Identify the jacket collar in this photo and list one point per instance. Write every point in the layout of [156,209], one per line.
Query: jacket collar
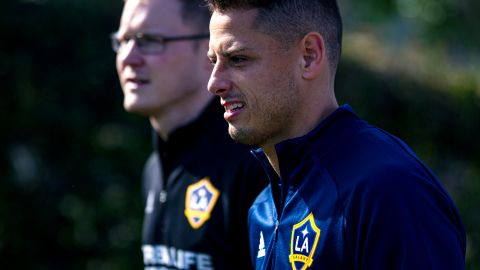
[293,152]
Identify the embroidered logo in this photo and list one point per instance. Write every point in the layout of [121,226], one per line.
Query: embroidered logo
[261,246]
[305,235]
[199,202]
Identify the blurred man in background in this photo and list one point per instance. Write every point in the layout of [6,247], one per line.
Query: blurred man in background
[198,184]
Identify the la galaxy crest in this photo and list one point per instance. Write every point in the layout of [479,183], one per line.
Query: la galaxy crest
[305,235]
[199,202]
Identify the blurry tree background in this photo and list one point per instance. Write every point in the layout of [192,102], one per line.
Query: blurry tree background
[71,158]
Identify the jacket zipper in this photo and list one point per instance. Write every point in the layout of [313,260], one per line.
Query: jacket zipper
[271,249]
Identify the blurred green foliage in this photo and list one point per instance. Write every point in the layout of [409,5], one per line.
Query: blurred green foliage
[71,157]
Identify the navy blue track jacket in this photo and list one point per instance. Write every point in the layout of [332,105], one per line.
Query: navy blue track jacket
[352,196]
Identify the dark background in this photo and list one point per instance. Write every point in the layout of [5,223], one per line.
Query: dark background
[71,158]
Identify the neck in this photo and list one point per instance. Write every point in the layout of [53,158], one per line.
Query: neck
[164,123]
[320,112]
[271,154]
[321,102]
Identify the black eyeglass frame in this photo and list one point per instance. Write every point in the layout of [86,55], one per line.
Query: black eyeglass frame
[161,39]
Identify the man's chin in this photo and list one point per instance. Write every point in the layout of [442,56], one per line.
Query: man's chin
[135,109]
[241,135]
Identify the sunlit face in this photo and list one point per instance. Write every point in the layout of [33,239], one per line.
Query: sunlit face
[255,79]
[154,84]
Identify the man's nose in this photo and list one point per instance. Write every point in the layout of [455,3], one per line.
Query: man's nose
[130,54]
[219,83]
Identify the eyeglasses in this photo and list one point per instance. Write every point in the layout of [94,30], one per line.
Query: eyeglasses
[149,43]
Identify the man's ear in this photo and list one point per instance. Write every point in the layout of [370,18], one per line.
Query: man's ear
[314,55]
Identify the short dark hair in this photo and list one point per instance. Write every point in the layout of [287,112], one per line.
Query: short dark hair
[289,20]
[195,13]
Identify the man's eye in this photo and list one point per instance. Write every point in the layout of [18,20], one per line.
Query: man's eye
[146,40]
[123,41]
[213,61]
[237,59]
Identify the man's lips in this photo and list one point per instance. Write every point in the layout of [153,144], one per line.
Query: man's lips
[136,80]
[232,109]
[135,83]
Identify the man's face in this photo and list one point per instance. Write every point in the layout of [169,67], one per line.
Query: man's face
[255,79]
[156,84]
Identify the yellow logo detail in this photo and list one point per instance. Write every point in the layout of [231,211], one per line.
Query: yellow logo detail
[199,202]
[305,236]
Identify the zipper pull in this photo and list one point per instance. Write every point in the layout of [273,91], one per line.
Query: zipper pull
[162,196]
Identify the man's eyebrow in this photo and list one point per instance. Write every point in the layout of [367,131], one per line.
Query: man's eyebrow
[230,52]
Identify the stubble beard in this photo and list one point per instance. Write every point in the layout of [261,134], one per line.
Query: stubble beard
[272,129]
[246,136]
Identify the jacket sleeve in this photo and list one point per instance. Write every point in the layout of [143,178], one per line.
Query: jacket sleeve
[400,219]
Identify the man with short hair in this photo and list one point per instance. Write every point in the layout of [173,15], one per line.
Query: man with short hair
[198,184]
[343,194]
